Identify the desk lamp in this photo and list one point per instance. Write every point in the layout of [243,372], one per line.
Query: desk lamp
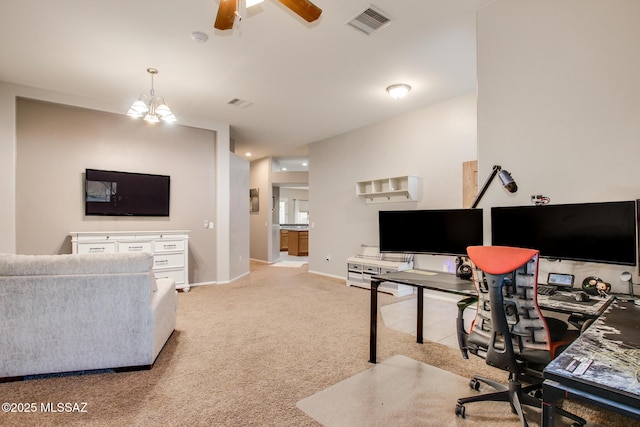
[627,277]
[463,270]
[505,178]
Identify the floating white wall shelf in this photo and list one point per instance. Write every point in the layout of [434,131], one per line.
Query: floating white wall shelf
[398,189]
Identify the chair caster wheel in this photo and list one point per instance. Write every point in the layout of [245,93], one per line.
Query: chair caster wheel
[474,384]
[460,410]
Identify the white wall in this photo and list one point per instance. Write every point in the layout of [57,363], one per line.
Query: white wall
[559,105]
[431,143]
[292,195]
[7,170]
[239,218]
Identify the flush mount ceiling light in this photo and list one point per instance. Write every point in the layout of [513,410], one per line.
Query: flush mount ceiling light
[152,108]
[199,37]
[399,90]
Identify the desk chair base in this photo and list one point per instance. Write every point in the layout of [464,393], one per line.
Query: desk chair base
[515,394]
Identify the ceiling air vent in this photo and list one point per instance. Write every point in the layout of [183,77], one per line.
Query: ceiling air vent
[240,103]
[369,20]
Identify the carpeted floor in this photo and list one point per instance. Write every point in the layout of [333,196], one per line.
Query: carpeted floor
[243,354]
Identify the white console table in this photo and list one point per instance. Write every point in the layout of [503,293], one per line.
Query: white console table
[170,249]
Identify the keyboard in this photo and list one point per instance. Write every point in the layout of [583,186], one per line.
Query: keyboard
[546,289]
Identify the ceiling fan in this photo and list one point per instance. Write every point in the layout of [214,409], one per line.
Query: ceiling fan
[228,11]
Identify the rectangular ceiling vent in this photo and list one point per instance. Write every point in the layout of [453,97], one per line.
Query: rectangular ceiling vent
[369,20]
[240,103]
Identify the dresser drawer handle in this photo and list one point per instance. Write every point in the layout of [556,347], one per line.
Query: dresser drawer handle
[170,246]
[135,248]
[162,261]
[97,249]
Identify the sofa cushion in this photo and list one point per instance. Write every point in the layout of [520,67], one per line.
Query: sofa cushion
[42,265]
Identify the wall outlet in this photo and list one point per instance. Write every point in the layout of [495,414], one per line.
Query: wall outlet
[206,223]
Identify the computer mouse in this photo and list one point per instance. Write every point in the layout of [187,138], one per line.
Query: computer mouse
[582,296]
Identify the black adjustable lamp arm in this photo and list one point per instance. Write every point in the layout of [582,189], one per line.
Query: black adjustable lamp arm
[494,172]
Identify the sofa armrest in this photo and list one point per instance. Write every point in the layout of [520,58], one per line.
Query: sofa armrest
[164,304]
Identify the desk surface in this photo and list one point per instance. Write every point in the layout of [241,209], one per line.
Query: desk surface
[565,302]
[443,282]
[561,301]
[605,359]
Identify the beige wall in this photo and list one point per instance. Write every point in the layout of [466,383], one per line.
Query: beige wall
[261,221]
[55,144]
[430,143]
[558,105]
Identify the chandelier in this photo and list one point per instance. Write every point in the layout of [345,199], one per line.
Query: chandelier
[152,108]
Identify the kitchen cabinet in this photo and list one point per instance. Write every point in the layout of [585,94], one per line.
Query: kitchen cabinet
[298,242]
[284,240]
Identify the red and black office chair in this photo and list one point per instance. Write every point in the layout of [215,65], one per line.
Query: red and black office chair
[509,330]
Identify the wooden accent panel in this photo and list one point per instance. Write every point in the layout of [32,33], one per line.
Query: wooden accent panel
[469,182]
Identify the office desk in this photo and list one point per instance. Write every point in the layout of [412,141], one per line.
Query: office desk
[446,282]
[601,367]
[421,280]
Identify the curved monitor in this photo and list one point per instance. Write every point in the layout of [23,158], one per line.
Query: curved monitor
[593,232]
[442,232]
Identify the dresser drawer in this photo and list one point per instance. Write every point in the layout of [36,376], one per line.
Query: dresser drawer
[97,248]
[134,247]
[354,277]
[168,260]
[371,269]
[168,245]
[354,267]
[176,275]
[94,237]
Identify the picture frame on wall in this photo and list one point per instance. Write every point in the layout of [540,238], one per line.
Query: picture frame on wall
[254,200]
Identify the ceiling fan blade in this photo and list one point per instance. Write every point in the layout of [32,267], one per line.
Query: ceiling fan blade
[226,15]
[304,8]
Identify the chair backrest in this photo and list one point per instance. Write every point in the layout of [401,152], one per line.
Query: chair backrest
[509,325]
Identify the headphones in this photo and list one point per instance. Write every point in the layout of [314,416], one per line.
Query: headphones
[463,270]
[594,285]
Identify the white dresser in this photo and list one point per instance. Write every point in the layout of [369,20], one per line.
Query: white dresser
[170,249]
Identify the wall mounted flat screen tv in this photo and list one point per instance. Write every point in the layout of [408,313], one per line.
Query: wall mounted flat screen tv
[593,232]
[438,231]
[126,193]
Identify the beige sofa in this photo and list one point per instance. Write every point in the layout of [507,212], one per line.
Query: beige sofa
[62,313]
